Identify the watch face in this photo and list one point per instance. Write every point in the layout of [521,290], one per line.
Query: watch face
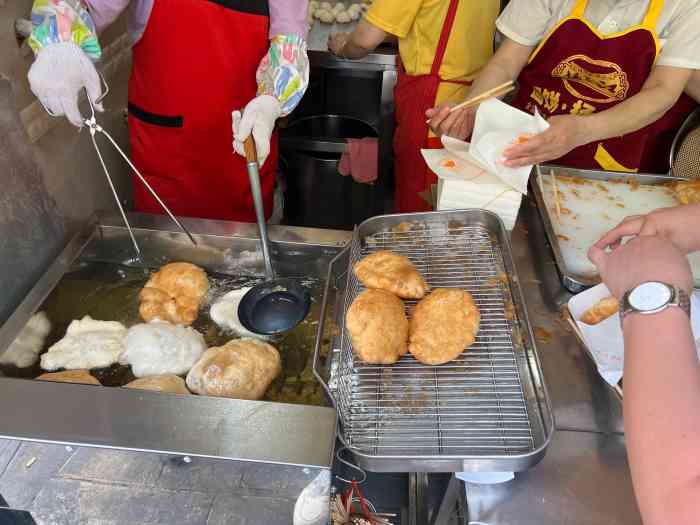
[650,296]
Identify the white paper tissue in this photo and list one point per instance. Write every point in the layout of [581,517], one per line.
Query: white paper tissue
[464,184]
[497,127]
[605,341]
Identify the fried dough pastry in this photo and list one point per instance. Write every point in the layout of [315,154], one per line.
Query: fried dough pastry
[443,325]
[70,376]
[174,293]
[164,383]
[600,311]
[241,369]
[687,192]
[376,321]
[386,270]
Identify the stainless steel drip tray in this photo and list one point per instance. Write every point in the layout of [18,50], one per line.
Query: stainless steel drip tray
[264,431]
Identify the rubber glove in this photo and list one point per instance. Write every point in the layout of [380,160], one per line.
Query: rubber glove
[258,118]
[58,74]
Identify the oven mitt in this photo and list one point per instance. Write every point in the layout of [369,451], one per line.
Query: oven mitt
[58,74]
[258,118]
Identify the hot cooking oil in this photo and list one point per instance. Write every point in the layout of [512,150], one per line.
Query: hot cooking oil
[109,292]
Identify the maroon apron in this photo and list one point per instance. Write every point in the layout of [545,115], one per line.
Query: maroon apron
[413,95]
[576,70]
[194,65]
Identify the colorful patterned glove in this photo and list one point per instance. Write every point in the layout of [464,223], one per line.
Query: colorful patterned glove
[58,21]
[284,72]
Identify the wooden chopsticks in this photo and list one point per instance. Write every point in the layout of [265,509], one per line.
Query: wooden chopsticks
[498,91]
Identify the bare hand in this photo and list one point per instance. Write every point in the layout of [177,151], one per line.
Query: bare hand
[336,42]
[642,259]
[677,225]
[565,133]
[458,124]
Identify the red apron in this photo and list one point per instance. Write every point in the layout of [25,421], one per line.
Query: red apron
[576,70]
[195,63]
[413,95]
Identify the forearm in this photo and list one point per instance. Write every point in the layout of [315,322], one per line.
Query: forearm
[104,12]
[644,108]
[288,17]
[505,65]
[363,40]
[662,416]
[692,88]
[284,72]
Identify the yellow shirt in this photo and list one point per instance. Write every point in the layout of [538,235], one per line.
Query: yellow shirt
[418,24]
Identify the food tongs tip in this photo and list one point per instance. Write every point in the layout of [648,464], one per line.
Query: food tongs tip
[93,127]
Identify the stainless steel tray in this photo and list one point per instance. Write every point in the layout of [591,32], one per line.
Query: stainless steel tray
[488,410]
[191,425]
[573,282]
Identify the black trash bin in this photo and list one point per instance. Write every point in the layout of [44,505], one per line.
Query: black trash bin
[316,194]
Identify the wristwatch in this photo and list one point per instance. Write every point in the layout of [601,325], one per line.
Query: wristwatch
[653,297]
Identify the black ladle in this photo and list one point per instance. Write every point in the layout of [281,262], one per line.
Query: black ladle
[275,305]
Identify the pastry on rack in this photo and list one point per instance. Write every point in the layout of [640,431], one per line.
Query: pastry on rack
[387,270]
[70,376]
[174,293]
[443,325]
[600,311]
[376,321]
[241,369]
[163,383]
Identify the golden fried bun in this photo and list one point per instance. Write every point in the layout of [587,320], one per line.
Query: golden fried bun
[241,369]
[164,383]
[386,270]
[174,293]
[443,325]
[600,311]
[70,376]
[376,321]
[687,192]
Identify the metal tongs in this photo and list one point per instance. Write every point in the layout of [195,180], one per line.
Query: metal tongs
[93,127]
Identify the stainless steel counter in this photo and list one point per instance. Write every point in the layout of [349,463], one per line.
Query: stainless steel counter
[583,480]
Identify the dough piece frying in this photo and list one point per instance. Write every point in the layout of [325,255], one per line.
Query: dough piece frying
[241,369]
[70,376]
[392,272]
[87,344]
[224,312]
[376,321]
[159,347]
[687,192]
[443,325]
[174,293]
[600,311]
[164,383]
[25,349]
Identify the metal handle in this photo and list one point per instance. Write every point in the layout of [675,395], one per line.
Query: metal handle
[321,327]
[251,156]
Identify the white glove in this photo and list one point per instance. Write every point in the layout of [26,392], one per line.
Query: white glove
[58,74]
[259,117]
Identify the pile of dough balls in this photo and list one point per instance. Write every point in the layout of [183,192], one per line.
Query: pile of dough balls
[338,13]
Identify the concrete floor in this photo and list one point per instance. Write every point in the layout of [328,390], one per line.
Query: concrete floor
[63,485]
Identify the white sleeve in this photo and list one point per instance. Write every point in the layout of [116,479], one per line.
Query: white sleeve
[527,21]
[682,37]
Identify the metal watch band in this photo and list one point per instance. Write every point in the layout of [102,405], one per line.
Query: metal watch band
[680,299]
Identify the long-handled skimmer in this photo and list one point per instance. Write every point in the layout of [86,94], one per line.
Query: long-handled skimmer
[93,127]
